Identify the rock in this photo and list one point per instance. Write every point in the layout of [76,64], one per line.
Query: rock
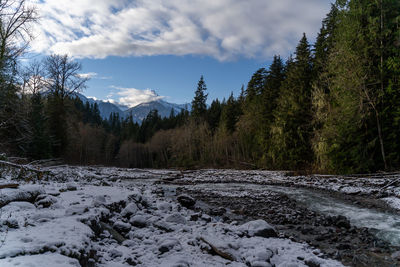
[122,227]
[313,262]
[168,244]
[194,217]
[260,264]
[45,201]
[76,210]
[343,246]
[129,210]
[11,223]
[263,255]
[342,222]
[71,187]
[396,255]
[186,201]
[104,183]
[218,211]
[113,253]
[164,206]
[181,263]
[99,201]
[206,218]
[131,262]
[258,228]
[138,221]
[176,218]
[163,226]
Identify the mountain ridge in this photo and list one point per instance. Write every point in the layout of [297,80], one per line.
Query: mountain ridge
[138,112]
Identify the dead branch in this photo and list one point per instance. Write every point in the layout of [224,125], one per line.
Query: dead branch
[2,186]
[23,169]
[117,236]
[217,251]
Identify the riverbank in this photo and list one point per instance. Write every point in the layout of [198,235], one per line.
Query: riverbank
[95,216]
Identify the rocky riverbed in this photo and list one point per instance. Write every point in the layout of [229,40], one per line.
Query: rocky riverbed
[333,235]
[100,216]
[97,216]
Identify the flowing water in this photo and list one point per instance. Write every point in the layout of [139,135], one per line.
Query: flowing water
[387,225]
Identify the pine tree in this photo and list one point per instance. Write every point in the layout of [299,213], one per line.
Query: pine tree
[256,85]
[199,106]
[40,144]
[230,114]
[291,132]
[214,115]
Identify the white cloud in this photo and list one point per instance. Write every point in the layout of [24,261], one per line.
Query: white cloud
[224,29]
[132,97]
[88,75]
[93,75]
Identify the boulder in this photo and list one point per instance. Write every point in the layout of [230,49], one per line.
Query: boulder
[129,210]
[138,221]
[45,201]
[396,255]
[176,218]
[258,228]
[122,227]
[169,244]
[99,201]
[186,201]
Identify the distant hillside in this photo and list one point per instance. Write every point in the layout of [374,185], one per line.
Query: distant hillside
[164,108]
[138,112]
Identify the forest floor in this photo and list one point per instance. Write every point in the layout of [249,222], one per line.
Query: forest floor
[102,216]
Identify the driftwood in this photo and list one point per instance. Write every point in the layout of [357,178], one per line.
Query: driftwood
[391,183]
[217,251]
[2,186]
[45,162]
[242,163]
[24,168]
[117,236]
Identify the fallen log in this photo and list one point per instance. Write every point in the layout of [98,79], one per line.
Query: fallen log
[242,163]
[391,183]
[2,186]
[117,236]
[217,251]
[24,168]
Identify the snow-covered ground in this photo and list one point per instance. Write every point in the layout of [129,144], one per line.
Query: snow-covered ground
[89,216]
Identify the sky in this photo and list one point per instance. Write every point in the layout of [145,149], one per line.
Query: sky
[137,51]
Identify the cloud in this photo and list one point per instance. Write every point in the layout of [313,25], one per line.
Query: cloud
[132,97]
[93,75]
[224,29]
[88,75]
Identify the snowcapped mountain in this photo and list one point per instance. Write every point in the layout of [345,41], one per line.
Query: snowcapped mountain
[164,108]
[138,112]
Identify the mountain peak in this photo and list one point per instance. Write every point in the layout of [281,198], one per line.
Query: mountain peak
[138,112]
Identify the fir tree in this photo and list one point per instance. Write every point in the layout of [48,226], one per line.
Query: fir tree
[199,106]
[291,132]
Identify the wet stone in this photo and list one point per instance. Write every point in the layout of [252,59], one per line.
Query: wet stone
[258,228]
[186,201]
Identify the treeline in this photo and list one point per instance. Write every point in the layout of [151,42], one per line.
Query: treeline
[333,106]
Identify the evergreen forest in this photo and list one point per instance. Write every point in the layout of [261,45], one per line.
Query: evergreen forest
[330,107]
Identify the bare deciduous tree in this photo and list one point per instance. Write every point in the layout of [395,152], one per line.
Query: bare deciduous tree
[33,80]
[16,17]
[63,75]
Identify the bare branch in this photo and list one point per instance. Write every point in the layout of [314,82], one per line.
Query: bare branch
[63,74]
